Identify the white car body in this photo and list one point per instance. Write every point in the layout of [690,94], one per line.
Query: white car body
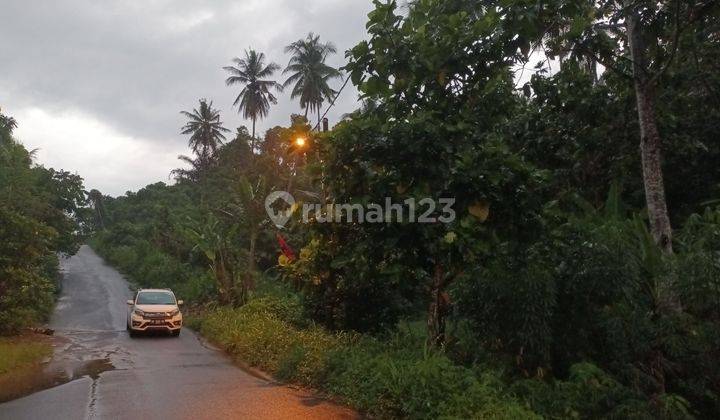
[157,310]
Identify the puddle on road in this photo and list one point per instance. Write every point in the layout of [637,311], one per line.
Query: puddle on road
[50,374]
[94,368]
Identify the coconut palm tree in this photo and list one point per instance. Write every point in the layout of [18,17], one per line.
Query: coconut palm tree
[190,173]
[255,97]
[206,131]
[7,123]
[309,74]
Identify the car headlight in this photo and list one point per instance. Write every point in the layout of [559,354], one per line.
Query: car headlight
[138,312]
[174,313]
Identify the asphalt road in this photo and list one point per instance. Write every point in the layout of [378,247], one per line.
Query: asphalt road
[107,374]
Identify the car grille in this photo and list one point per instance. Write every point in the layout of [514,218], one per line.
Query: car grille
[156,315]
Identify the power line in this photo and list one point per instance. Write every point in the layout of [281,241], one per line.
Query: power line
[317,126]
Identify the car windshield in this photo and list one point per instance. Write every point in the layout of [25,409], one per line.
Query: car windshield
[155,298]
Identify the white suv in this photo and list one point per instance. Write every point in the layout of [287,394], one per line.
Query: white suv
[153,310]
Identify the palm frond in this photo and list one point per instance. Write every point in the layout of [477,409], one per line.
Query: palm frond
[255,98]
[206,131]
[308,73]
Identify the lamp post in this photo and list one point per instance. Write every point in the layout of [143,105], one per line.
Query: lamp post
[300,142]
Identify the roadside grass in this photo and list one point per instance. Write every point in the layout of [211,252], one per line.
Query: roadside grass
[20,352]
[389,378]
[20,365]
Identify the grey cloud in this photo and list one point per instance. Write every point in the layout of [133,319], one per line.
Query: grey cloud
[135,65]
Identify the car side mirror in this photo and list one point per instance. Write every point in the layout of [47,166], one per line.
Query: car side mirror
[181,302]
[130,302]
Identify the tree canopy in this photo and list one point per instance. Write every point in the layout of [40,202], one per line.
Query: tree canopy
[309,76]
[41,213]
[256,95]
[573,142]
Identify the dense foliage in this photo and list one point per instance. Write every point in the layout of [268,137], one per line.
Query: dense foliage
[558,288]
[39,221]
[205,235]
[389,379]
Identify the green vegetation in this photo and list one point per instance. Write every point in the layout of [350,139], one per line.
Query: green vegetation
[255,98]
[397,377]
[40,211]
[579,277]
[309,75]
[17,353]
[206,134]
[132,246]
[393,378]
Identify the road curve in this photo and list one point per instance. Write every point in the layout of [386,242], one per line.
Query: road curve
[113,376]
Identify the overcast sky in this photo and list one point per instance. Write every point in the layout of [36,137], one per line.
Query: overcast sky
[97,86]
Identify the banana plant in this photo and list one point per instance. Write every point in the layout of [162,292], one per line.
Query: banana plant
[249,200]
[214,242]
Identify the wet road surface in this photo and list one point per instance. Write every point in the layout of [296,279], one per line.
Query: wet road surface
[109,375]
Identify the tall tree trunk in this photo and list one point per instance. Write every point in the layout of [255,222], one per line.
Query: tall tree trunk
[250,275]
[99,216]
[650,153]
[224,286]
[650,143]
[438,308]
[252,140]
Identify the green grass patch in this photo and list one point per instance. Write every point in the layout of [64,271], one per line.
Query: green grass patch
[394,378]
[19,352]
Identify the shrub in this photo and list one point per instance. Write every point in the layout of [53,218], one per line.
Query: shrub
[596,291]
[256,334]
[589,392]
[406,382]
[28,267]
[124,258]
[28,300]
[549,306]
[697,267]
[147,266]
[287,309]
[387,379]
[200,286]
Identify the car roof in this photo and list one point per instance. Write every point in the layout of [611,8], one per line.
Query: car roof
[156,290]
